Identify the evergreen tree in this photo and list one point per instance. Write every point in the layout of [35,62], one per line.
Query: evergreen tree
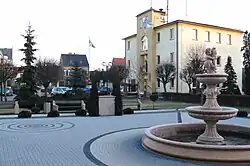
[28,80]
[246,62]
[231,83]
[78,77]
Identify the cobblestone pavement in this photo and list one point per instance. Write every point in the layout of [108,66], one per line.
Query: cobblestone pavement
[84,141]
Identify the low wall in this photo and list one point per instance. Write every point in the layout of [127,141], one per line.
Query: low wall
[227,100]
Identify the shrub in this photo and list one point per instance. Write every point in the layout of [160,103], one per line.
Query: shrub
[25,114]
[53,114]
[242,114]
[35,109]
[128,111]
[80,112]
[153,98]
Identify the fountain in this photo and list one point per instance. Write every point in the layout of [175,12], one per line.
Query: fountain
[180,140]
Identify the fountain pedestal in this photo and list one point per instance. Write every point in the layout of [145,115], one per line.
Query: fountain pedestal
[210,135]
[211,112]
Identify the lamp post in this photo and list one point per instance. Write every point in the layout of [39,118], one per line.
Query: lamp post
[107,66]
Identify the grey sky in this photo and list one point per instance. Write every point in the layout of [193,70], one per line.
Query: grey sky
[63,26]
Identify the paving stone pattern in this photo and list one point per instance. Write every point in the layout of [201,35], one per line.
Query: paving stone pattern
[66,141]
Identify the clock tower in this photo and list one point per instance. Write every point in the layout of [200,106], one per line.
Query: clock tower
[146,47]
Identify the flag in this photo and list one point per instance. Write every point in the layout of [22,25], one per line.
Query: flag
[91,44]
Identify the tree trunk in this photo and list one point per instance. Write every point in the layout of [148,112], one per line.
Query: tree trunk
[46,95]
[1,91]
[189,88]
[165,89]
[5,95]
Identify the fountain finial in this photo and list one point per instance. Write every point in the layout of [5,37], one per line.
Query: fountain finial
[210,66]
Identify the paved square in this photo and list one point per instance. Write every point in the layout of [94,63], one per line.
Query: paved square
[84,141]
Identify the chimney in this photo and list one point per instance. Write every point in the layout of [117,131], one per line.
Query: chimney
[161,10]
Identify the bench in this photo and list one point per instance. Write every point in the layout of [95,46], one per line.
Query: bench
[68,106]
[133,104]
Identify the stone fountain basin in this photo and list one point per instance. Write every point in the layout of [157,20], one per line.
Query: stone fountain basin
[209,114]
[212,78]
[159,139]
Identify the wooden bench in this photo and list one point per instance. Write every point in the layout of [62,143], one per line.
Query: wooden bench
[68,106]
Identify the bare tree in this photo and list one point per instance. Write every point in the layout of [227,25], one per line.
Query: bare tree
[7,71]
[48,71]
[138,73]
[195,61]
[187,75]
[166,72]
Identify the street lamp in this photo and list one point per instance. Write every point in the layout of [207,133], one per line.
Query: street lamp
[107,66]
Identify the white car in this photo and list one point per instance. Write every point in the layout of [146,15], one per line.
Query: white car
[59,90]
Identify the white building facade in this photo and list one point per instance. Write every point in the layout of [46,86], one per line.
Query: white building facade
[172,42]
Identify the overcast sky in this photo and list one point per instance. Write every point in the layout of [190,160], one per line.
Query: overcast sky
[63,26]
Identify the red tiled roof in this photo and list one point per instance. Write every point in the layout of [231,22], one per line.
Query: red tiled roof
[118,61]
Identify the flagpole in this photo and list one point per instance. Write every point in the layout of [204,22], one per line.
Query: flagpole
[89,53]
[151,4]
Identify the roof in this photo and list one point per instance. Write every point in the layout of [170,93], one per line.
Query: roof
[199,24]
[70,59]
[192,23]
[7,52]
[118,61]
[151,9]
[134,35]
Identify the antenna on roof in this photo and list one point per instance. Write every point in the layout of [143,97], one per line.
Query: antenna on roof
[167,12]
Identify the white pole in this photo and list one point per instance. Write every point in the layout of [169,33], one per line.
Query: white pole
[186,9]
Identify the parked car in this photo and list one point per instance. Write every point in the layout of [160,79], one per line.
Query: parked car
[59,90]
[9,91]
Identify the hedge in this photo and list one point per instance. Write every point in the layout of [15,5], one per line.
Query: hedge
[227,100]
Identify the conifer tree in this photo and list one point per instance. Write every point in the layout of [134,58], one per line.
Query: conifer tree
[231,83]
[78,77]
[28,80]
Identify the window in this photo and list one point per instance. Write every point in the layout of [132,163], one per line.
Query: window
[208,36]
[128,63]
[149,77]
[144,43]
[218,61]
[128,45]
[158,83]
[195,34]
[141,23]
[80,62]
[71,62]
[158,37]
[146,66]
[194,82]
[219,38]
[158,59]
[172,83]
[229,39]
[171,57]
[172,34]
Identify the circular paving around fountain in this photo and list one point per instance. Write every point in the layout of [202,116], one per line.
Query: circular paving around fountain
[35,127]
[126,150]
